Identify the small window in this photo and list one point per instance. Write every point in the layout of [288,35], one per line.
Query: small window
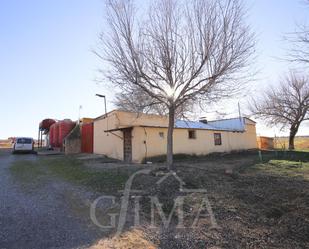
[217,137]
[161,134]
[191,134]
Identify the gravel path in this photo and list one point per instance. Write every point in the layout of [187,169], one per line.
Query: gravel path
[53,214]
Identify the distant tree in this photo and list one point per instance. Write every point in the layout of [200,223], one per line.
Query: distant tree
[287,105]
[176,54]
[300,43]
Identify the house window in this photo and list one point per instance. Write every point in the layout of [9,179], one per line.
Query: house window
[161,134]
[217,137]
[191,134]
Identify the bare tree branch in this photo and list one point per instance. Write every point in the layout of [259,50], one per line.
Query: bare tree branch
[180,54]
[300,43]
[287,105]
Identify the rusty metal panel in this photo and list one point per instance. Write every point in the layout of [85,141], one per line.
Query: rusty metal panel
[87,138]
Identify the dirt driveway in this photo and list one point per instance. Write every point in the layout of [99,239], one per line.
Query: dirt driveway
[38,213]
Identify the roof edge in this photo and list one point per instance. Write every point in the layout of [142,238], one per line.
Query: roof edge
[223,119]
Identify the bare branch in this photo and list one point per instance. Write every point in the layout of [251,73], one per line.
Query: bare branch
[287,105]
[178,54]
[300,43]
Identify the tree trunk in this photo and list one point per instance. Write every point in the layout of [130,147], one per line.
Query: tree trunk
[171,122]
[293,132]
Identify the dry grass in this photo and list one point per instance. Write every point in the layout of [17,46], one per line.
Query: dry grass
[284,168]
[301,143]
[134,239]
[5,144]
[71,170]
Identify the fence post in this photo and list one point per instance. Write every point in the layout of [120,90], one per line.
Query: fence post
[260,156]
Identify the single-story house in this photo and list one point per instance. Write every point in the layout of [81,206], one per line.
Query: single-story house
[134,137]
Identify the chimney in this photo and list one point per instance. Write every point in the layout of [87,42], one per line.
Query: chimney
[203,120]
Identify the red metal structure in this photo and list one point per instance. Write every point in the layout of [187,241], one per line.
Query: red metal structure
[87,138]
[65,127]
[46,124]
[44,129]
[56,135]
[51,135]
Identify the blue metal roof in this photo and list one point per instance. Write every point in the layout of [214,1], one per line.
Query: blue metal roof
[235,124]
[232,123]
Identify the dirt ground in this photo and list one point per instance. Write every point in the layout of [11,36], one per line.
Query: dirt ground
[250,203]
[253,207]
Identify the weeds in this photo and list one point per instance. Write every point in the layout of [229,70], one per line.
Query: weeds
[71,170]
[284,168]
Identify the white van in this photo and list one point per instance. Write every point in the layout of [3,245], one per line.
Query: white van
[24,144]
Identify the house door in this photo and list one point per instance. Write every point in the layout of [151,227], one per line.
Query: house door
[127,145]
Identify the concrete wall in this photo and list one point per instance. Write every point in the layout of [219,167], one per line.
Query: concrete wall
[72,142]
[72,146]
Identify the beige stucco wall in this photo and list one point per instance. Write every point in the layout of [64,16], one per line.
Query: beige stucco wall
[119,119]
[154,145]
[136,119]
[146,141]
[107,143]
[111,143]
[202,145]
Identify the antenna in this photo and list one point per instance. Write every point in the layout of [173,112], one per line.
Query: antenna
[242,121]
[239,113]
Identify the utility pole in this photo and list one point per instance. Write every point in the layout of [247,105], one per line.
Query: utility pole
[103,96]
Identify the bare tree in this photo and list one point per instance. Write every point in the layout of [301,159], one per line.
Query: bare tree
[177,53]
[287,105]
[139,102]
[300,43]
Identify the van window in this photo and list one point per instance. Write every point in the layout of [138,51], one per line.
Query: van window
[24,141]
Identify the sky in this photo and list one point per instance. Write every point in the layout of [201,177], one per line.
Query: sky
[48,69]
